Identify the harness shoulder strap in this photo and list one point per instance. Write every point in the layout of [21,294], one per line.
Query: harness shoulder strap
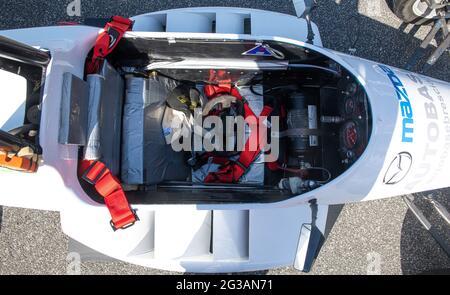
[110,188]
[107,41]
[233,171]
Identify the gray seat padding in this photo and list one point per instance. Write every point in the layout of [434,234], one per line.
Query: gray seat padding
[106,91]
[146,157]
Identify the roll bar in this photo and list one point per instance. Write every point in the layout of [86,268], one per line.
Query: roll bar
[17,51]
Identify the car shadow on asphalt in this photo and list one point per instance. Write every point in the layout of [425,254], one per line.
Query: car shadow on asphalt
[420,253]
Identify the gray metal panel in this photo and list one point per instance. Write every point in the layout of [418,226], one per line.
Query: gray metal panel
[74,110]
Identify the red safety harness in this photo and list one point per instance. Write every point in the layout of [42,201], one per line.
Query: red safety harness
[107,41]
[109,187]
[232,171]
[94,172]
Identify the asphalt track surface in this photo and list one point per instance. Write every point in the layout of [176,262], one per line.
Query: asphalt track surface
[31,242]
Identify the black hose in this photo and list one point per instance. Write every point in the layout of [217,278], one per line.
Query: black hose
[23,129]
[253,90]
[307,66]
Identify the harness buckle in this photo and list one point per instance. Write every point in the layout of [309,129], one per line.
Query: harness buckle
[240,165]
[136,219]
[97,177]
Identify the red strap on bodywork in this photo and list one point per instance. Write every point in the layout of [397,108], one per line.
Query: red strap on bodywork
[107,41]
[110,188]
[213,91]
[221,84]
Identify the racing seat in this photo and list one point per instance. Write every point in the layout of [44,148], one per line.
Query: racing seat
[147,158]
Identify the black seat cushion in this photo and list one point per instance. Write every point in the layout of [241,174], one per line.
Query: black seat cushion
[146,157]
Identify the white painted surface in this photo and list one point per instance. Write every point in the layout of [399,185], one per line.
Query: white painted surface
[229,20]
[231,235]
[55,185]
[230,23]
[89,225]
[152,23]
[182,233]
[190,22]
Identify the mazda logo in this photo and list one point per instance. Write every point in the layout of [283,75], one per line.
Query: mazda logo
[398,169]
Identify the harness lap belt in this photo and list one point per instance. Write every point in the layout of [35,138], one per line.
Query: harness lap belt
[107,41]
[110,188]
[232,171]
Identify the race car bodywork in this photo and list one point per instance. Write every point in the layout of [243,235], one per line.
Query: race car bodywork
[406,149]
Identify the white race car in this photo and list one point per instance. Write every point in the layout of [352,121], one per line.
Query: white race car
[87,113]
